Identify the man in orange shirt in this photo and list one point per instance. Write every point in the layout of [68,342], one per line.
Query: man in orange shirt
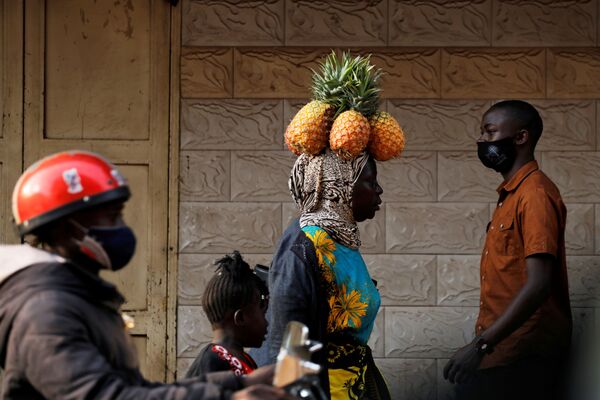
[524,327]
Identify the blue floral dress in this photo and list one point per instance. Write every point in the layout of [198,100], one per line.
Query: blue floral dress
[353,304]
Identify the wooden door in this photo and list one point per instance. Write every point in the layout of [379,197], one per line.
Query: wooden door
[11,107]
[97,79]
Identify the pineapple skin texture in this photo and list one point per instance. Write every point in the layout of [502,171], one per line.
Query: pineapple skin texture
[349,134]
[309,130]
[387,137]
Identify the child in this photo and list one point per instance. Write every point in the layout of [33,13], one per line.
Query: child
[235,302]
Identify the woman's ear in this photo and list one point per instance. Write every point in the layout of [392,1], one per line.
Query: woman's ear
[239,317]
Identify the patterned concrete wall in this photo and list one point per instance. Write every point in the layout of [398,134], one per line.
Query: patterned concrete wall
[245,70]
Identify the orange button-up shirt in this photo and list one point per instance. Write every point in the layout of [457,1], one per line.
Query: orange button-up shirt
[529,219]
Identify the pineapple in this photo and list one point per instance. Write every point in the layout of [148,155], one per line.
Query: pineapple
[349,134]
[309,129]
[387,137]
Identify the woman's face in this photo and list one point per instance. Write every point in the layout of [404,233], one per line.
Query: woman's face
[366,193]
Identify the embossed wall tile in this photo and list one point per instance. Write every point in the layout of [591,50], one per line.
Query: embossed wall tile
[183,365]
[584,280]
[445,389]
[223,227]
[261,175]
[425,332]
[411,177]
[231,125]
[409,379]
[372,233]
[579,232]
[568,124]
[544,23]
[195,270]
[597,228]
[289,212]
[572,73]
[403,279]
[336,23]
[204,175]
[440,23]
[584,320]
[439,124]
[436,228]
[193,331]
[233,23]
[458,280]
[576,174]
[462,177]
[376,340]
[275,72]
[409,73]
[206,72]
[506,73]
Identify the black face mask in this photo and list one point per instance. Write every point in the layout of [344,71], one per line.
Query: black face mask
[499,155]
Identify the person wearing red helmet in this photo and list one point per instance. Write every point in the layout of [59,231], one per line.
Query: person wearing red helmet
[62,334]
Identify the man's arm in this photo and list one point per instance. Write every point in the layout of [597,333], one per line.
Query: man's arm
[531,296]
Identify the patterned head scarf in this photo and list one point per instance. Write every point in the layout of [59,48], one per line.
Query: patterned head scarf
[322,187]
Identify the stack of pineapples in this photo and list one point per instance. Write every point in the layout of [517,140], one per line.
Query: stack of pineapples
[343,113]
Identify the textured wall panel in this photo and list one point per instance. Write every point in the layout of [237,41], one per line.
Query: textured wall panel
[409,73]
[440,23]
[372,233]
[403,279]
[275,72]
[462,176]
[425,332]
[568,125]
[579,232]
[204,175]
[409,379]
[206,72]
[195,270]
[500,73]
[336,23]
[458,280]
[193,331]
[574,73]
[576,174]
[261,175]
[436,228]
[289,212]
[544,23]
[584,281]
[222,227]
[439,124]
[412,177]
[231,124]
[232,23]
[376,341]
[183,365]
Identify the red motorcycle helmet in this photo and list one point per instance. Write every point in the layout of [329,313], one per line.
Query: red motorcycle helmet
[63,183]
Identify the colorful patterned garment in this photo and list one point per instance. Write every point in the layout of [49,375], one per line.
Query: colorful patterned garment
[353,302]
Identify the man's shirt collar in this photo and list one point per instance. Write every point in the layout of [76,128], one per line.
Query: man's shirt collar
[515,181]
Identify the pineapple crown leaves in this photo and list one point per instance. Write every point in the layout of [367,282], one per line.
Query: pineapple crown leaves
[349,83]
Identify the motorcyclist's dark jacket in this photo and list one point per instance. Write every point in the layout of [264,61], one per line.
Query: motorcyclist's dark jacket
[62,336]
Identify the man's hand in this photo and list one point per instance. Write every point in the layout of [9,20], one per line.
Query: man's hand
[263,375]
[261,392]
[463,364]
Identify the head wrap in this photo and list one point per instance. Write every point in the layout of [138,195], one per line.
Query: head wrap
[322,187]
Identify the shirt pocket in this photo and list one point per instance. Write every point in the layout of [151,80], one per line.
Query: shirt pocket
[504,242]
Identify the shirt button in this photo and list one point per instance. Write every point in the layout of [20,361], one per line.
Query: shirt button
[500,204]
[483,277]
[486,252]
[480,327]
[501,226]
[492,227]
[481,303]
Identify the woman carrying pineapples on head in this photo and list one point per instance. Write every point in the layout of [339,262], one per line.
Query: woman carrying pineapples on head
[318,275]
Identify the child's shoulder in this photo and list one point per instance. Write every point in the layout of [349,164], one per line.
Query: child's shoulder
[208,360]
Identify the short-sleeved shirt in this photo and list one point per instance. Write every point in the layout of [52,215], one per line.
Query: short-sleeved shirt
[529,220]
[215,357]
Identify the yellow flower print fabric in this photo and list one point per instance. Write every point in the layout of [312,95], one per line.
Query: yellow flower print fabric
[352,296]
